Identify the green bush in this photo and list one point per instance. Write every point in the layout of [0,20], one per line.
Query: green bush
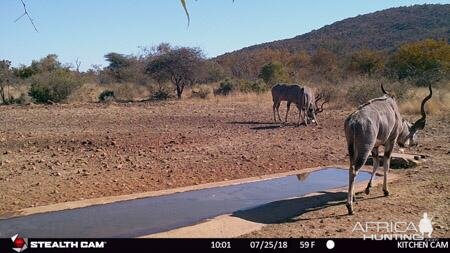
[53,86]
[106,95]
[422,62]
[272,73]
[226,87]
[257,86]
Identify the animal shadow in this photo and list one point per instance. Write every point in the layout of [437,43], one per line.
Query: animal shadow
[266,127]
[253,123]
[286,210]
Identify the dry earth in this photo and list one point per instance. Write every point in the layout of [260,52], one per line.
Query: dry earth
[52,154]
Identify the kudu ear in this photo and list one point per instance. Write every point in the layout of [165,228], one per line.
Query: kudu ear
[420,123]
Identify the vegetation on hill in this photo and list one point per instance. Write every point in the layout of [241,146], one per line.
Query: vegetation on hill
[382,31]
[408,47]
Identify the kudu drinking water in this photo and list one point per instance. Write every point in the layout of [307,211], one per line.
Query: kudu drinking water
[315,109]
[302,97]
[378,123]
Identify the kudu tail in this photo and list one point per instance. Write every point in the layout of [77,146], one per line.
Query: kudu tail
[358,154]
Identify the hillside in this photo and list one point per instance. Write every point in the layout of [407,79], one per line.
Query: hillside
[382,30]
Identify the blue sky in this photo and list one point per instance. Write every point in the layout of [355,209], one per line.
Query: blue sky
[88,29]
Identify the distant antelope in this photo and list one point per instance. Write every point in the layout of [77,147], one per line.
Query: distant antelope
[378,123]
[303,97]
[292,93]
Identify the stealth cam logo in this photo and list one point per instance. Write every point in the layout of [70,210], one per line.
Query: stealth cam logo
[19,243]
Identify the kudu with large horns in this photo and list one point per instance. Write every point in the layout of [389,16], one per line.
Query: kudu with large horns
[302,97]
[378,123]
[315,109]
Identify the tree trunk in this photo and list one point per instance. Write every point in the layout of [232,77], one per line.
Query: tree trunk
[180,88]
[2,94]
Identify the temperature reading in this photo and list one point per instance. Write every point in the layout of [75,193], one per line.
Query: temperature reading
[307,244]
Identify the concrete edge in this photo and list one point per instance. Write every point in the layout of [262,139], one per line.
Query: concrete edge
[228,226]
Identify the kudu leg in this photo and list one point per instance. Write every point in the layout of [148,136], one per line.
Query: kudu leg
[386,165]
[278,111]
[351,193]
[376,163]
[305,117]
[315,119]
[274,111]
[287,111]
[300,113]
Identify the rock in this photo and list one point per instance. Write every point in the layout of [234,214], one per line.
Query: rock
[57,174]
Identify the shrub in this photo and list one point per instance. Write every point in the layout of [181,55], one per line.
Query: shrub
[106,95]
[53,86]
[161,95]
[366,62]
[362,89]
[200,92]
[126,92]
[226,87]
[257,86]
[272,73]
[359,94]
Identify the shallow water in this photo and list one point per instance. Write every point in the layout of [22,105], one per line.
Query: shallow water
[144,216]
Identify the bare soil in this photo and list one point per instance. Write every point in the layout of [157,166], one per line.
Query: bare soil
[58,153]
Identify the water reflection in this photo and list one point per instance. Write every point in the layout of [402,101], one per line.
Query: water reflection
[303,176]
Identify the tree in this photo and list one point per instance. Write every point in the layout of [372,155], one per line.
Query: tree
[297,64]
[118,64]
[425,62]
[325,64]
[5,78]
[182,66]
[46,64]
[366,62]
[23,71]
[272,72]
[213,72]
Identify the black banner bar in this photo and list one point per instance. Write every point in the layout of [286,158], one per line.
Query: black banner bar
[100,245]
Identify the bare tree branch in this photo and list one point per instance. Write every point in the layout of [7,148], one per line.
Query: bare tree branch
[77,65]
[25,12]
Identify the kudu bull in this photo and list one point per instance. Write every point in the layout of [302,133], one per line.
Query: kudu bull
[378,123]
[302,97]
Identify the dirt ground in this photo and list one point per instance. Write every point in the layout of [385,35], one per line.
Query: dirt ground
[58,153]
